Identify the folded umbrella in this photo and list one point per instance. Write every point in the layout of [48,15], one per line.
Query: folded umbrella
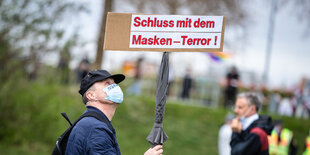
[157,135]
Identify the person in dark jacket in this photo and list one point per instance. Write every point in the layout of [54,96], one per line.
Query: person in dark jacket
[250,130]
[187,85]
[231,89]
[101,94]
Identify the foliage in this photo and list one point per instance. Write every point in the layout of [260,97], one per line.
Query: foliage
[29,29]
[302,12]
[31,110]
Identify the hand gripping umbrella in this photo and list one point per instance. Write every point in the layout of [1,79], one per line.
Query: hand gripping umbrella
[157,135]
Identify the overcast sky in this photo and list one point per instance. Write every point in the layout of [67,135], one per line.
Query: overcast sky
[290,56]
[290,50]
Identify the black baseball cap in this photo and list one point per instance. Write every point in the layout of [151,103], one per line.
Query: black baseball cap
[98,75]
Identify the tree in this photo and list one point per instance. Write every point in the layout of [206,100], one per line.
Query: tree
[29,29]
[100,52]
[302,10]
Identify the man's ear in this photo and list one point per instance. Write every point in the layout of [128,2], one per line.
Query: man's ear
[90,95]
[253,108]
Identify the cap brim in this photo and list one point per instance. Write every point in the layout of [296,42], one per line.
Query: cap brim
[117,78]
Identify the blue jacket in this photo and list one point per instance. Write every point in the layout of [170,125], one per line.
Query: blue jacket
[91,136]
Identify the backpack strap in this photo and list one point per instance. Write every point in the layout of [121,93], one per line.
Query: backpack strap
[66,117]
[87,114]
[100,118]
[97,116]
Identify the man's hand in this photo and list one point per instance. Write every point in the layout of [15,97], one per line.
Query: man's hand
[236,125]
[157,150]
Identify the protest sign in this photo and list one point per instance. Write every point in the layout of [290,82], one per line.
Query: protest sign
[172,33]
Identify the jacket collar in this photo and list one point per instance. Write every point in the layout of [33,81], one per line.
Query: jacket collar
[91,108]
[249,120]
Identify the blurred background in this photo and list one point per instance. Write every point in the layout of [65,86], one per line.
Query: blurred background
[47,47]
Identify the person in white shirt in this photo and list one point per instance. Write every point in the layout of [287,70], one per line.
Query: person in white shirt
[225,136]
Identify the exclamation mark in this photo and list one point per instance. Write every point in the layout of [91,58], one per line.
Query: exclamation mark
[215,40]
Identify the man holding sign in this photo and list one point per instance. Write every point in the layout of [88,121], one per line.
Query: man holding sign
[164,33]
[100,94]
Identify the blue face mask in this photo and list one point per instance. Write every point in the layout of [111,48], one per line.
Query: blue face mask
[242,119]
[114,93]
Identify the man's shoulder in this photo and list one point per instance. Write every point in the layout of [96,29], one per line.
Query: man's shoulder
[258,131]
[87,124]
[262,137]
[87,133]
[90,123]
[225,128]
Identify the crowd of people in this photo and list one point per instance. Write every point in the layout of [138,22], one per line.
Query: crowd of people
[251,133]
[246,132]
[297,105]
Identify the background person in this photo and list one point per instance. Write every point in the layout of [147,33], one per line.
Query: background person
[307,145]
[249,129]
[187,84]
[225,136]
[231,89]
[281,140]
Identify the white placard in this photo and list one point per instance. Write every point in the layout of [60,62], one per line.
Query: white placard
[176,23]
[174,40]
[164,33]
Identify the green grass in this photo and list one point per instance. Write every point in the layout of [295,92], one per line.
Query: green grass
[191,130]
[31,121]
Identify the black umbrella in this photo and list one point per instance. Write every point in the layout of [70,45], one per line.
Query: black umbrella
[157,135]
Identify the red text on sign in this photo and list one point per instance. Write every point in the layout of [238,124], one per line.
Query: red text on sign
[139,40]
[195,41]
[204,24]
[184,23]
[152,22]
